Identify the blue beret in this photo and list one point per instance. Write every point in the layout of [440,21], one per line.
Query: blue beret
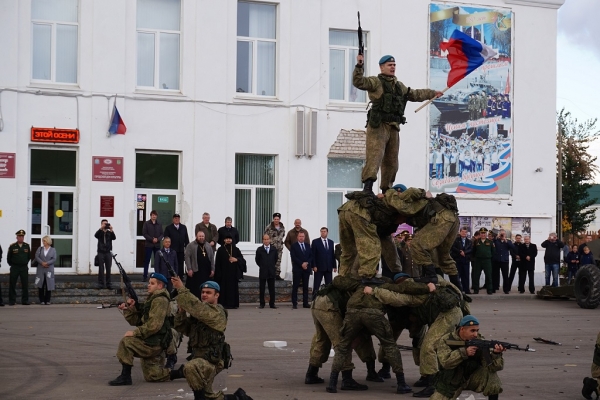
[160,277]
[468,320]
[386,58]
[211,285]
[400,187]
[401,275]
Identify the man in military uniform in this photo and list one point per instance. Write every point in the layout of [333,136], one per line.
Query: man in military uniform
[466,368]
[483,250]
[1,302]
[151,337]
[328,310]
[367,313]
[365,235]
[276,231]
[590,385]
[437,221]
[205,327]
[388,97]
[18,256]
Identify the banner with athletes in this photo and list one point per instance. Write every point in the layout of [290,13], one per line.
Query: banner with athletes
[470,137]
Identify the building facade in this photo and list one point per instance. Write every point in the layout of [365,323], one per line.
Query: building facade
[235,108]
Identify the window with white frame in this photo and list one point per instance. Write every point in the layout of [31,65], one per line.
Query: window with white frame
[343,176]
[54,32]
[343,49]
[158,44]
[256,48]
[254,195]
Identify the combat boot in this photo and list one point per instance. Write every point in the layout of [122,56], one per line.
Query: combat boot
[199,395]
[368,185]
[239,394]
[422,382]
[402,386]
[171,361]
[177,373]
[124,378]
[384,372]
[350,384]
[428,275]
[456,282]
[590,385]
[372,375]
[312,376]
[493,397]
[332,386]
[429,389]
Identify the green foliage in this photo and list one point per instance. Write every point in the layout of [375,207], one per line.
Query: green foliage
[578,169]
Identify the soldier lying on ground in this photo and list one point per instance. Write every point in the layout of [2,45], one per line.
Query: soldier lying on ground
[151,337]
[366,312]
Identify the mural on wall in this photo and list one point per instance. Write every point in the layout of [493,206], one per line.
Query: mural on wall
[470,139]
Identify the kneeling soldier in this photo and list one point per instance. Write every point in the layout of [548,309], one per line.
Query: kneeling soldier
[151,337]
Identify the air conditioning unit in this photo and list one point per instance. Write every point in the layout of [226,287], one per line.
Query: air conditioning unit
[312,135]
[300,151]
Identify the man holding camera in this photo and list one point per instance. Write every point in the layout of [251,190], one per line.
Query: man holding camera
[105,236]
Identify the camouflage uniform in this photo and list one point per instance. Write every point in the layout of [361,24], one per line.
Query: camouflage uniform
[383,142]
[328,314]
[152,324]
[482,252]
[460,372]
[360,241]
[277,236]
[596,363]
[367,312]
[206,329]
[442,323]
[433,241]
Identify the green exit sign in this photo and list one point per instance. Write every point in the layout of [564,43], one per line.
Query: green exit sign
[163,199]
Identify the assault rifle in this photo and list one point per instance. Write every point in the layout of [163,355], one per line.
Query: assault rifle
[486,345]
[126,281]
[169,267]
[361,45]
[403,347]
[539,339]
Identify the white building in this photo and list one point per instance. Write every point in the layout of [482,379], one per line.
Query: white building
[231,107]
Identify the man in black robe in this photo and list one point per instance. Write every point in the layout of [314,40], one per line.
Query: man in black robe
[228,264]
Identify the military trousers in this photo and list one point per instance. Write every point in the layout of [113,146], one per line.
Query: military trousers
[359,241]
[481,381]
[485,265]
[432,243]
[327,334]
[200,374]
[374,322]
[152,358]
[389,252]
[397,328]
[16,272]
[445,323]
[278,264]
[596,367]
[383,144]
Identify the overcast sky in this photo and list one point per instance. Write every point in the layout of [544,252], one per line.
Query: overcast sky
[578,62]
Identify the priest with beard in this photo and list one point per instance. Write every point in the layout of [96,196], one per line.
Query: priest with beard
[199,263]
[229,263]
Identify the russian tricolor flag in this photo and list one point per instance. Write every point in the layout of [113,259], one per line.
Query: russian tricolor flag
[465,55]
[117,126]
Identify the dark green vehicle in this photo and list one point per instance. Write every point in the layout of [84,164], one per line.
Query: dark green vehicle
[586,287]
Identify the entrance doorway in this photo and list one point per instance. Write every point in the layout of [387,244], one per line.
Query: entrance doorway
[53,204]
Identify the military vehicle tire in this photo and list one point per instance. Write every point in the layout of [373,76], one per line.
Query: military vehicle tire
[587,286]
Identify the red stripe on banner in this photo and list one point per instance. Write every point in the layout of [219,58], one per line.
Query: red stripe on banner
[459,62]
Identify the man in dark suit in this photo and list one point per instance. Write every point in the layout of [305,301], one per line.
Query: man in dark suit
[461,253]
[179,240]
[266,259]
[323,260]
[527,253]
[301,262]
[168,255]
[228,229]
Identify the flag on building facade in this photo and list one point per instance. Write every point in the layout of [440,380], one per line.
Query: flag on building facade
[117,126]
[465,55]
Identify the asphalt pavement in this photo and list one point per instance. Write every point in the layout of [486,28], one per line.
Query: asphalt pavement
[68,352]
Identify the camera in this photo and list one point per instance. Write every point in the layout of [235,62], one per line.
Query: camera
[107,226]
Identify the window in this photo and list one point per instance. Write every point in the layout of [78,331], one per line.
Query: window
[343,176]
[158,44]
[53,167]
[343,49]
[54,32]
[156,171]
[256,47]
[254,195]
